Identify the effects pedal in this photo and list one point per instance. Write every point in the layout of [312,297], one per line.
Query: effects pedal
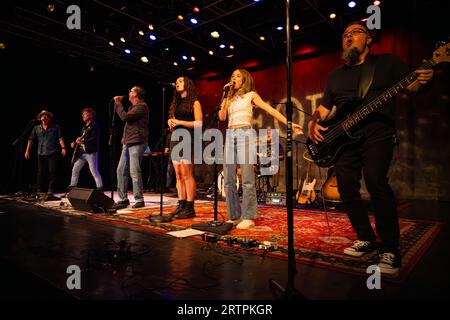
[210,237]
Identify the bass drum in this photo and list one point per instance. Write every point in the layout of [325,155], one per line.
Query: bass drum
[221,183]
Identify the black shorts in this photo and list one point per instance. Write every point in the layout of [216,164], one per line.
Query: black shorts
[183,154]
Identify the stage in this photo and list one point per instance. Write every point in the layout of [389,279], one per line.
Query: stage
[124,256]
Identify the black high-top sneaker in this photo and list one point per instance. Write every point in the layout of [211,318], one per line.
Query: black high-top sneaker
[187,212]
[389,262]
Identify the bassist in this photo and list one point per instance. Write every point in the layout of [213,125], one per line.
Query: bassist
[373,153]
[86,149]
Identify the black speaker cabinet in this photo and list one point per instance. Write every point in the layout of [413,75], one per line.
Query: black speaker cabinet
[90,200]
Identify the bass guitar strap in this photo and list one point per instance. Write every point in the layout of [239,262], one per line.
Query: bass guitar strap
[366,77]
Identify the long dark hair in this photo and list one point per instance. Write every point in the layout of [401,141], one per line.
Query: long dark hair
[187,104]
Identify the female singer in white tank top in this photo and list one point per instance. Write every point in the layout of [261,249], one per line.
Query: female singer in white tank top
[238,109]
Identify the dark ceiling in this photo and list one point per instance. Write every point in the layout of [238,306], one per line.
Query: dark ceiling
[239,22]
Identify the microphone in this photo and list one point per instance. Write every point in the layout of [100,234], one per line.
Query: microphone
[124,97]
[163,83]
[228,86]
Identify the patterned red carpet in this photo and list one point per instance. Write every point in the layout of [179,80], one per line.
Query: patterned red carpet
[320,237]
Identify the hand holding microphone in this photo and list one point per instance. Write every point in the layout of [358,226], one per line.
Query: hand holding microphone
[117,99]
[228,86]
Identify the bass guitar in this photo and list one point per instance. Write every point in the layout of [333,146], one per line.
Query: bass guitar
[339,134]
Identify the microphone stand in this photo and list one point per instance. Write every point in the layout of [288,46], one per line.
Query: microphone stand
[215,225]
[160,218]
[18,163]
[289,293]
[112,146]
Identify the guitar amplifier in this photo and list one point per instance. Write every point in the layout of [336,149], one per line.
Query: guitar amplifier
[278,198]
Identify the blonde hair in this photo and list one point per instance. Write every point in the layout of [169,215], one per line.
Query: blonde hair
[247,82]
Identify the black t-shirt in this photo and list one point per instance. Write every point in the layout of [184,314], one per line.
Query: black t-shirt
[343,84]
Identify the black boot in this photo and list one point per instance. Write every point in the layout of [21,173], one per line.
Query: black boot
[178,209]
[187,212]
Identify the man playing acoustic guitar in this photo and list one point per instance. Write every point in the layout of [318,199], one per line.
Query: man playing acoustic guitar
[373,152]
[86,149]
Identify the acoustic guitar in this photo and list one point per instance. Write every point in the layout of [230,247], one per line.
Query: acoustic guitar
[339,134]
[330,190]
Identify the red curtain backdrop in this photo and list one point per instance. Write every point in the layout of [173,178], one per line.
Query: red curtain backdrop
[413,113]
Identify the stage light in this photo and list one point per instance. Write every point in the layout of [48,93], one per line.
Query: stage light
[377,3]
[180,17]
[122,39]
[127,51]
[175,64]
[152,37]
[296,27]
[150,26]
[222,46]
[231,47]
[194,21]
[279,28]
[166,49]
[2,46]
[192,58]
[144,59]
[111,43]
[230,56]
[196,9]
[141,32]
[332,15]
[262,38]
[210,52]
[215,34]
[51,8]
[91,69]
[184,57]
[352,4]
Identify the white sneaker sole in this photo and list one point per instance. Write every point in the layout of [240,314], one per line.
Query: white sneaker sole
[352,253]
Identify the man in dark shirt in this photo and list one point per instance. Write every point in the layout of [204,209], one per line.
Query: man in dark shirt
[373,154]
[134,142]
[46,136]
[87,149]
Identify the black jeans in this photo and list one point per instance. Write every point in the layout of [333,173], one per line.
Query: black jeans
[47,163]
[373,160]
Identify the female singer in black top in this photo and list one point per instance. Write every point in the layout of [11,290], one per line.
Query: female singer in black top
[185,114]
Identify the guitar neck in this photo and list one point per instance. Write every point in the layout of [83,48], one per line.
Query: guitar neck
[378,102]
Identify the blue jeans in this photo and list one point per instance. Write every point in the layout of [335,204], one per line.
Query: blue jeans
[92,160]
[237,145]
[130,161]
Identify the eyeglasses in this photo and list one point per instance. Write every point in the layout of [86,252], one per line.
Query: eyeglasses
[352,33]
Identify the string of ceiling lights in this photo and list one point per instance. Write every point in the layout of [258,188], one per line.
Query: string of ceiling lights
[194,19]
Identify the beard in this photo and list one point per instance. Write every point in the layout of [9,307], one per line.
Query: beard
[351,55]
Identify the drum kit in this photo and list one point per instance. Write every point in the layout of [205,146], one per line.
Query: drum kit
[265,180]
